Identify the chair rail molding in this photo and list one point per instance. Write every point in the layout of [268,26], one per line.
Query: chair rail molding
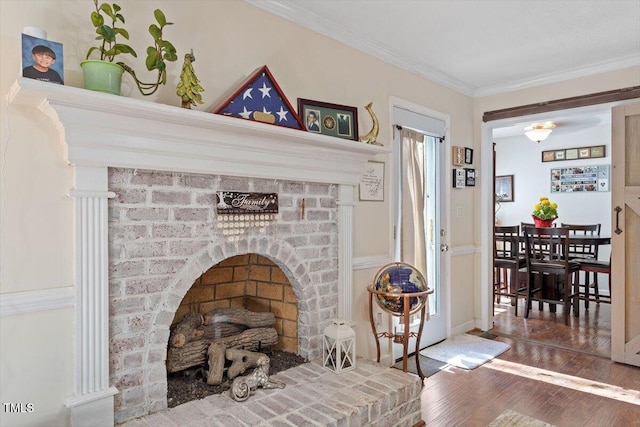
[40,300]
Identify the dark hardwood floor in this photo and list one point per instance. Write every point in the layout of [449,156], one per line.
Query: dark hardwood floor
[559,374]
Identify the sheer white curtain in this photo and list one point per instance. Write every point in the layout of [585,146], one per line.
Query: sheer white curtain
[413,245]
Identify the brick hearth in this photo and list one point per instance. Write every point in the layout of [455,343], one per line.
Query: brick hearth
[370,395]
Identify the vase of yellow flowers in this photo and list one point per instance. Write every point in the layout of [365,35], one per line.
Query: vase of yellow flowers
[544,212]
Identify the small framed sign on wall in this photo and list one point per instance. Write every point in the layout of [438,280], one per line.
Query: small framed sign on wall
[457,156]
[459,178]
[372,182]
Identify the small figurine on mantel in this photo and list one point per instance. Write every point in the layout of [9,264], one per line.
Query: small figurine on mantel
[189,86]
[370,138]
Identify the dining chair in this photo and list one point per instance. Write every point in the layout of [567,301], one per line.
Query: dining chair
[550,271]
[507,261]
[522,226]
[585,252]
[595,267]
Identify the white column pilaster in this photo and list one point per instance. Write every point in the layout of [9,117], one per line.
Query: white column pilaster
[92,402]
[345,251]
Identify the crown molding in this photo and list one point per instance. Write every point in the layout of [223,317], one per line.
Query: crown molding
[297,14]
[604,67]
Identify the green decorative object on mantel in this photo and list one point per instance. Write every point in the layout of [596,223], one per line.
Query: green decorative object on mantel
[108,35]
[102,76]
[189,86]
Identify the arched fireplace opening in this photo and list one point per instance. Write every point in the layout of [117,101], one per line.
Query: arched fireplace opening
[240,294]
[248,281]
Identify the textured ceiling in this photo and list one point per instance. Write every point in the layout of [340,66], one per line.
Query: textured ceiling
[480,47]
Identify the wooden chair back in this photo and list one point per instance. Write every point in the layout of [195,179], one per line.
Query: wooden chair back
[546,248]
[583,251]
[506,242]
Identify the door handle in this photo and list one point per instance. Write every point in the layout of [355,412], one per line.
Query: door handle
[617,209]
[444,247]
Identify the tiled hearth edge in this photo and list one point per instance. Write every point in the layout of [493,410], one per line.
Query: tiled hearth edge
[370,395]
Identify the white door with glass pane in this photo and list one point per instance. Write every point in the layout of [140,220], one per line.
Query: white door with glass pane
[420,194]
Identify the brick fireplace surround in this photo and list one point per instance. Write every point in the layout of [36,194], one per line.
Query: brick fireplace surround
[145,176]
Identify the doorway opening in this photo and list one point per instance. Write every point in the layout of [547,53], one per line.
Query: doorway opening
[522,160]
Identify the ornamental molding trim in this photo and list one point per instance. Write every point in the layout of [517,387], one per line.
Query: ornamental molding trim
[34,301]
[102,130]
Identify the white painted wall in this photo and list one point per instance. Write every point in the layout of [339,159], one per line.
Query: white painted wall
[521,157]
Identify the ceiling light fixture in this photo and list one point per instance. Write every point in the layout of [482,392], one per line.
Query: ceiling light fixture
[539,131]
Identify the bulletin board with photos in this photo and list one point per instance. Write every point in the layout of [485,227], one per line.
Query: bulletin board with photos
[580,179]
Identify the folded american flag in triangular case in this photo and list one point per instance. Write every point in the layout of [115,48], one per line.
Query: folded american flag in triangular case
[260,98]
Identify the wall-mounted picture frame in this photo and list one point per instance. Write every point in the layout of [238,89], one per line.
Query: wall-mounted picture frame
[329,119]
[580,179]
[459,178]
[596,151]
[371,186]
[468,156]
[470,177]
[571,154]
[457,156]
[504,188]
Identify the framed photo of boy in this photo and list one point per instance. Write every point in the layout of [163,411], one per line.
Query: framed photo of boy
[42,60]
[329,119]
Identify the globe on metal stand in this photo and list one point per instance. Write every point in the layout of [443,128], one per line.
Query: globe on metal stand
[400,290]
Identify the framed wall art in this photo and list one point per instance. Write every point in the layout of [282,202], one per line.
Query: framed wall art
[457,156]
[504,188]
[325,118]
[596,151]
[468,155]
[459,178]
[470,177]
[372,182]
[580,179]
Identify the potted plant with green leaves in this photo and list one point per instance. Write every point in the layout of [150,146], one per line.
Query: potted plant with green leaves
[105,74]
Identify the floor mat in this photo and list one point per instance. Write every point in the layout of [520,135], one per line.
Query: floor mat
[465,351]
[427,365]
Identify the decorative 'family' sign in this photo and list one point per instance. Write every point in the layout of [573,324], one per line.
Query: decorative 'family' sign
[234,202]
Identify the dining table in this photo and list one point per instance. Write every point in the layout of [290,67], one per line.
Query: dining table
[576,239]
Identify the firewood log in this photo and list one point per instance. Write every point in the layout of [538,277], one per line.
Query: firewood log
[240,316]
[210,332]
[241,361]
[186,330]
[216,355]
[195,353]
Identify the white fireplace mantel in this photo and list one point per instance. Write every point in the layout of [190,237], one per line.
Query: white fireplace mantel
[99,131]
[115,131]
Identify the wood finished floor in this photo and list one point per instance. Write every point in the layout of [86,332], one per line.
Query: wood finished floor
[552,372]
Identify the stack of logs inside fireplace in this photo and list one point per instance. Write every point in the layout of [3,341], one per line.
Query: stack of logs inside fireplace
[218,335]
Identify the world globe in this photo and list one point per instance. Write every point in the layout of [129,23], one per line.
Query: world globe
[396,279]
